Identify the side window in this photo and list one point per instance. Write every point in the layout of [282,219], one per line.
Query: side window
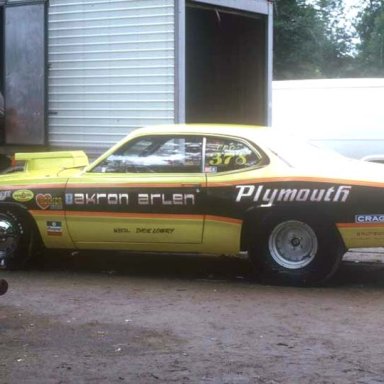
[222,155]
[156,154]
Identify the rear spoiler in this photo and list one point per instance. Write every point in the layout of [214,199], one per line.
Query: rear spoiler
[35,161]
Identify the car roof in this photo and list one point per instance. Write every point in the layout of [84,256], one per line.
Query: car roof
[246,131]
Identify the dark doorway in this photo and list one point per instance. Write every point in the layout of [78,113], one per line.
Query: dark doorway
[2,123]
[25,73]
[2,48]
[225,66]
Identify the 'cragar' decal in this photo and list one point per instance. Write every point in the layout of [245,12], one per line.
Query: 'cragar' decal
[270,195]
[368,219]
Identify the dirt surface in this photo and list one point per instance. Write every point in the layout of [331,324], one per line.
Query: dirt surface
[167,319]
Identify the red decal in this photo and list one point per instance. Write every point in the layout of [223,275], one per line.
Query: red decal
[44,200]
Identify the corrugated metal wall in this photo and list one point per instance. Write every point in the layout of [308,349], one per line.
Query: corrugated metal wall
[111,68]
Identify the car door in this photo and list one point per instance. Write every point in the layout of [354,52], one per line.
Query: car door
[148,191]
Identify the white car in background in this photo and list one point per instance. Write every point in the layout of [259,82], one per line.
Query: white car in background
[345,115]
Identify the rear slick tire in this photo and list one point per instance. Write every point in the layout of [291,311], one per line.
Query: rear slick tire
[296,251]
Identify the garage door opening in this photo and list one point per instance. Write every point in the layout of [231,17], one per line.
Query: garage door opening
[225,66]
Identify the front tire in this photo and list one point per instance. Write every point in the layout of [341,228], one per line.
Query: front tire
[15,240]
[296,251]
[3,286]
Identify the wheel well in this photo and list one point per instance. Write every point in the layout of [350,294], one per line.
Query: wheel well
[260,215]
[20,211]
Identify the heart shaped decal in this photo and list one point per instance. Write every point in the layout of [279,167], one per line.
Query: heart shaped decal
[44,200]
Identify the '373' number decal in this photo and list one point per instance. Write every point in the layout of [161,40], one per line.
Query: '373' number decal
[220,159]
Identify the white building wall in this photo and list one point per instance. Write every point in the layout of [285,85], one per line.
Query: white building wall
[111,68]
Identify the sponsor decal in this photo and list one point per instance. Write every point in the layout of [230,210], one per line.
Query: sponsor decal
[125,199]
[268,196]
[97,198]
[54,228]
[57,203]
[69,198]
[166,199]
[370,236]
[5,195]
[23,195]
[43,200]
[46,200]
[368,219]
[210,169]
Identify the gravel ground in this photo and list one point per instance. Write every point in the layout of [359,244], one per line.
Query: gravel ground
[110,318]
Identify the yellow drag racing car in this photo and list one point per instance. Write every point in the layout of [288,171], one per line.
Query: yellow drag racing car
[199,189]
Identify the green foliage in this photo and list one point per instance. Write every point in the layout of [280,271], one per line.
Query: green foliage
[370,28]
[294,37]
[314,39]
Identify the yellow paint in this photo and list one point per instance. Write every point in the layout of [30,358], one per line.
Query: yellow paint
[362,236]
[52,160]
[58,241]
[128,229]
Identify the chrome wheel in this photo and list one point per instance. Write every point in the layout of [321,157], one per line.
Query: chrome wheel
[9,238]
[293,244]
